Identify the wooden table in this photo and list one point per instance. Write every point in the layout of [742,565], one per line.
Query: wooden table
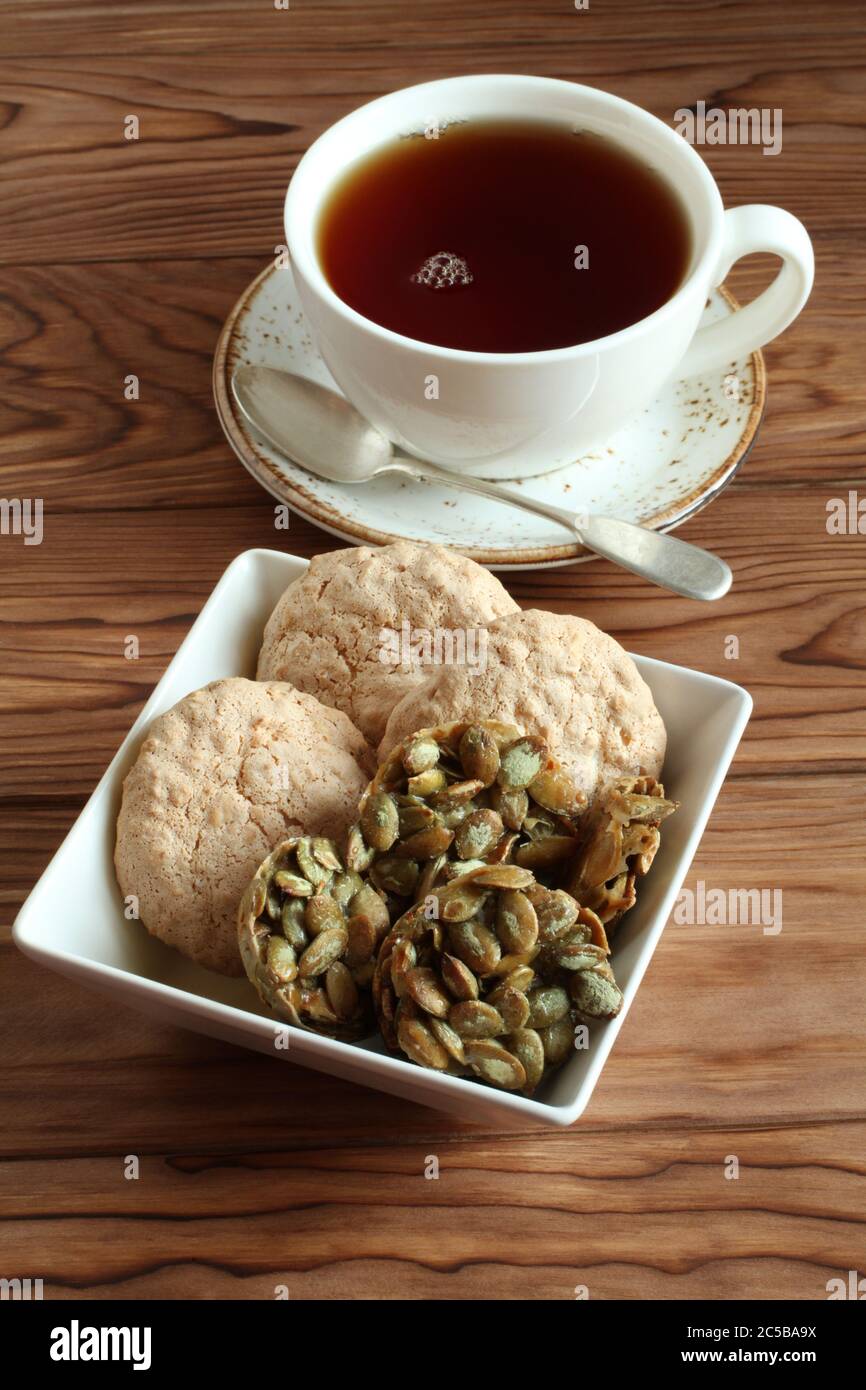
[122,258]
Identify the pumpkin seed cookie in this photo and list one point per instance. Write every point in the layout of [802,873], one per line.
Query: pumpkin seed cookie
[457,797]
[308,932]
[221,778]
[557,676]
[490,970]
[330,632]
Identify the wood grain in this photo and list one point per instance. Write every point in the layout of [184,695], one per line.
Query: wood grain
[121,258]
[336,1222]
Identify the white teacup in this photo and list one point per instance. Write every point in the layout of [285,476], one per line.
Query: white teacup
[516,414]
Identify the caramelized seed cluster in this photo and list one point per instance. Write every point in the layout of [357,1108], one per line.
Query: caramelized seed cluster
[454,798]
[490,975]
[620,838]
[502,888]
[309,930]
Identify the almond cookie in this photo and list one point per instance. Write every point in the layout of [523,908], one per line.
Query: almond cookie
[221,778]
[359,629]
[555,675]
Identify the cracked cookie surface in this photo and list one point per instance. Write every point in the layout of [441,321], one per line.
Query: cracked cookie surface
[325,633]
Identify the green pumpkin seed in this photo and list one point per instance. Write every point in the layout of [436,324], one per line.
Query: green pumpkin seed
[429,877]
[259,898]
[325,853]
[273,905]
[426,844]
[504,876]
[600,860]
[475,945]
[292,922]
[512,1004]
[451,816]
[458,978]
[527,1047]
[520,978]
[368,903]
[512,803]
[515,960]
[361,941]
[474,1019]
[576,955]
[457,868]
[479,754]
[547,1005]
[395,875]
[521,762]
[477,834]
[426,783]
[495,1064]
[460,900]
[456,793]
[380,821]
[328,946]
[310,866]
[557,1040]
[556,912]
[501,853]
[451,1041]
[634,807]
[557,792]
[539,827]
[359,855]
[594,996]
[414,817]
[422,984]
[344,887]
[420,1045]
[294,884]
[420,754]
[404,959]
[341,990]
[545,854]
[321,914]
[282,962]
[516,922]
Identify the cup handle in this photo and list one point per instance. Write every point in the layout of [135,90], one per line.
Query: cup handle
[757,227]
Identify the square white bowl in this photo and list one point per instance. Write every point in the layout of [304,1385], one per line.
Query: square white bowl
[92,941]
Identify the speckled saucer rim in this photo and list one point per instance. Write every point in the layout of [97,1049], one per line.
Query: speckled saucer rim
[330,519]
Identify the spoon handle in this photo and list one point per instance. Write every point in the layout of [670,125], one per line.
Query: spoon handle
[663,559]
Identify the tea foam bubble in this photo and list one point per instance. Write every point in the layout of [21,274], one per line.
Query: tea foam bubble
[443,271]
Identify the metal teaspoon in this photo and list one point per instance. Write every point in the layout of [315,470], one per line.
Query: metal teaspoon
[322,432]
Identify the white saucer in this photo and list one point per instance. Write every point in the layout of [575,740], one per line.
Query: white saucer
[658,470]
